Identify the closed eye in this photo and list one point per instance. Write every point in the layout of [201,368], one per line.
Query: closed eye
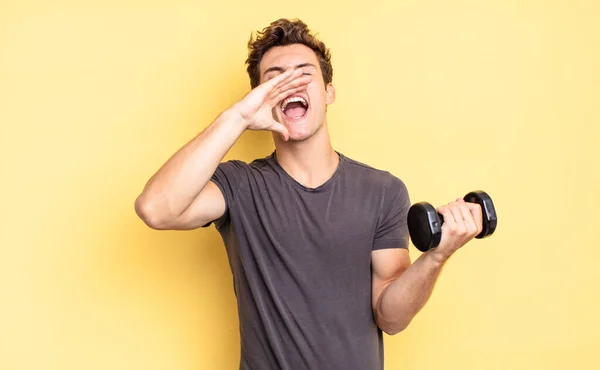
[279,69]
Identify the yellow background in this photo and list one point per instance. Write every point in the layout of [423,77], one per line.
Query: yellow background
[450,96]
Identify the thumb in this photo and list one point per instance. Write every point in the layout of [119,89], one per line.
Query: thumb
[281,129]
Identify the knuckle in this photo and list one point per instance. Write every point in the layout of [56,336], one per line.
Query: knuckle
[473,230]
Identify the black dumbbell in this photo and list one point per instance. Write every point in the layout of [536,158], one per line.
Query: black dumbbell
[425,224]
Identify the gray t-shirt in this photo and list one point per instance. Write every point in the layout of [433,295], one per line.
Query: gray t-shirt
[301,261]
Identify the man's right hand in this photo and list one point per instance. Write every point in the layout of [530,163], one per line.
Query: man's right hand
[256,108]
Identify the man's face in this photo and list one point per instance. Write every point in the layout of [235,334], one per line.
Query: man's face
[303,113]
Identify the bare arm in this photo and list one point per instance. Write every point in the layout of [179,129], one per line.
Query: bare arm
[179,182]
[179,195]
[401,290]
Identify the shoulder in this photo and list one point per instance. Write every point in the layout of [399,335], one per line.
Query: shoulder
[239,165]
[260,164]
[374,176]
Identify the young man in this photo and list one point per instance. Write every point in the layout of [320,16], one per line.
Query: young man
[317,242]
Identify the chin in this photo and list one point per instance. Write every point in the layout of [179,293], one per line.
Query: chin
[300,128]
[298,136]
[303,133]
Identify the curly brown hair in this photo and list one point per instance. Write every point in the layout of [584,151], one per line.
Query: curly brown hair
[285,32]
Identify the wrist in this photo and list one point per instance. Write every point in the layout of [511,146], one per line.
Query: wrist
[233,116]
[438,256]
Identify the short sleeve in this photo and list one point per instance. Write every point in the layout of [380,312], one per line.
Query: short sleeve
[392,228]
[229,176]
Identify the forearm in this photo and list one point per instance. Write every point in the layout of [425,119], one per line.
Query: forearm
[404,297]
[173,188]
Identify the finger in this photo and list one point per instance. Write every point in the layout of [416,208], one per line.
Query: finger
[458,217]
[449,221]
[477,213]
[290,89]
[294,75]
[291,84]
[467,216]
[280,78]
[460,200]
[281,129]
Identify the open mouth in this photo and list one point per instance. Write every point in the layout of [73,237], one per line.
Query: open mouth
[294,108]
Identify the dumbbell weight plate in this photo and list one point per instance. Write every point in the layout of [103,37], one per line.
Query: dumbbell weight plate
[424,226]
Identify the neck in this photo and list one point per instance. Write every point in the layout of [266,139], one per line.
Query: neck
[311,162]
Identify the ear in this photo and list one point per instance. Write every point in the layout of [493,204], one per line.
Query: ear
[330,94]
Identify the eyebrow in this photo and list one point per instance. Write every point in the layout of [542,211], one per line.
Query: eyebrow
[281,69]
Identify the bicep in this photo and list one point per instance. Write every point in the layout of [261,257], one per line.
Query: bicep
[387,265]
[208,206]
